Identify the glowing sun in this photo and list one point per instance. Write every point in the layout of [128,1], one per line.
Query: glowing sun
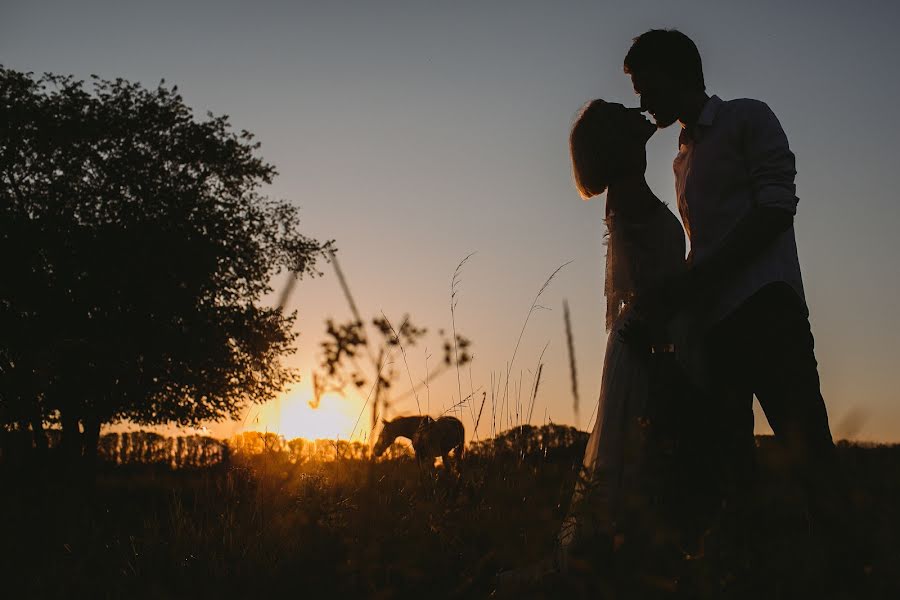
[291,416]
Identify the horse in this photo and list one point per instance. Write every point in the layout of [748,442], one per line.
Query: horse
[430,438]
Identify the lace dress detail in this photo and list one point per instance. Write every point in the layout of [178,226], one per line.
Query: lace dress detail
[640,256]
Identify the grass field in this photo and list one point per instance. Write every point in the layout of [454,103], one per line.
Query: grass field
[264,525]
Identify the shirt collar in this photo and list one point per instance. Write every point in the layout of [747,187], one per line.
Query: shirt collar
[708,114]
[705,119]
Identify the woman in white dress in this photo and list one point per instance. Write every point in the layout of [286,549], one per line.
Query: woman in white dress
[645,248]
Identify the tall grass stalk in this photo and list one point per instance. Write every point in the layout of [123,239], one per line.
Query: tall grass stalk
[454,281]
[537,382]
[353,309]
[471,407]
[534,306]
[493,408]
[480,409]
[425,382]
[519,400]
[384,362]
[458,405]
[573,372]
[504,409]
[403,353]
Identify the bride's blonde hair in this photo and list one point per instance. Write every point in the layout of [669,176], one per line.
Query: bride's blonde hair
[592,144]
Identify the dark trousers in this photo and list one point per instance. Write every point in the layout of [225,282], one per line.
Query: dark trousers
[765,348]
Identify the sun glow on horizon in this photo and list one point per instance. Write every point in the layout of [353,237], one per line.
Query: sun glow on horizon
[291,416]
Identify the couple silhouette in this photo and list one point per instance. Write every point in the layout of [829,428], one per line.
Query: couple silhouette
[692,340]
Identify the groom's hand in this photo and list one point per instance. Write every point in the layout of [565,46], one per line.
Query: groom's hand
[655,308]
[660,304]
[676,292]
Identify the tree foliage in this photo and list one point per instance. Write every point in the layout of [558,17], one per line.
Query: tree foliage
[135,250]
[353,360]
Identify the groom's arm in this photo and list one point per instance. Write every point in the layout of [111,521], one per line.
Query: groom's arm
[771,168]
[759,228]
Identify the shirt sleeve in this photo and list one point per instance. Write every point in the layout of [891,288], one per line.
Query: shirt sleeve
[770,162]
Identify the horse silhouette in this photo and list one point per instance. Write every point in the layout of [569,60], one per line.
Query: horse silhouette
[430,438]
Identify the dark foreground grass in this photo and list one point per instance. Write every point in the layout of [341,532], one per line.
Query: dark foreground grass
[351,528]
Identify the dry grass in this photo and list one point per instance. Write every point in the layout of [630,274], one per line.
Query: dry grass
[387,530]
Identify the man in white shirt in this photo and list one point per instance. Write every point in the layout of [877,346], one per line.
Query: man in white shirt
[734,179]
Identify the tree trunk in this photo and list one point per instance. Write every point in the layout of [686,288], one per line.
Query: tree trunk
[91,440]
[37,430]
[70,445]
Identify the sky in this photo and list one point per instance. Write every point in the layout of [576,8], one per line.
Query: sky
[416,133]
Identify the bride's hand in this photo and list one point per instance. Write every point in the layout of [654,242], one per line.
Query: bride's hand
[636,331]
[660,304]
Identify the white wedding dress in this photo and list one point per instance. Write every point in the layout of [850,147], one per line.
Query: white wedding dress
[639,257]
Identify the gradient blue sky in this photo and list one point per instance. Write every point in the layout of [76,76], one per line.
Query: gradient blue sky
[414,133]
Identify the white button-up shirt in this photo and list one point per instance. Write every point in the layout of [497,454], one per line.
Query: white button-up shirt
[735,158]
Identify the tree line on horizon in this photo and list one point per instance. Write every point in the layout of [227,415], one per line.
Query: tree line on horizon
[521,443]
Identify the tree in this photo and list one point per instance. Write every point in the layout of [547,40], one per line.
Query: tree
[135,250]
[346,343]
[340,366]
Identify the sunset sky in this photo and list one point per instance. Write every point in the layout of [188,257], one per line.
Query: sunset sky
[416,133]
